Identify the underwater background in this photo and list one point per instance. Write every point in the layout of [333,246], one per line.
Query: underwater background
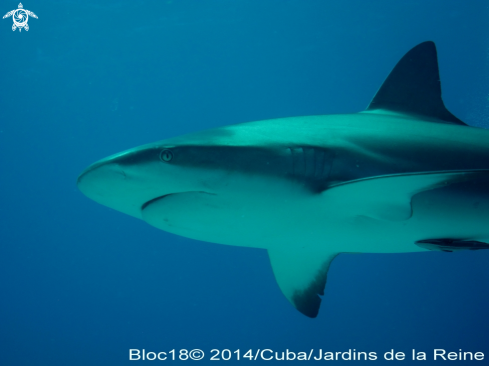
[81,284]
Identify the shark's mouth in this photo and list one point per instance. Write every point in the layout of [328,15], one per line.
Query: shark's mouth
[175,212]
[156,199]
[146,204]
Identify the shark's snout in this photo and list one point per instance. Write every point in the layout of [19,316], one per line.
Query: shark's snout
[106,183]
[114,182]
[99,180]
[129,180]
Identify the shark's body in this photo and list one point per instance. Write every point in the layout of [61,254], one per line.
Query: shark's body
[405,175]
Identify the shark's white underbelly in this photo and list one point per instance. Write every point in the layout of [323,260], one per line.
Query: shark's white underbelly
[287,217]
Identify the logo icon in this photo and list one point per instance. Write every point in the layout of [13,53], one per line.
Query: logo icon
[20,17]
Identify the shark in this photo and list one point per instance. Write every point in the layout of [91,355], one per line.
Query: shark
[404,175]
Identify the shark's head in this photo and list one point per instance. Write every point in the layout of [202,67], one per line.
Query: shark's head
[193,185]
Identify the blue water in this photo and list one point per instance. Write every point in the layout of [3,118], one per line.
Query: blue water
[81,284]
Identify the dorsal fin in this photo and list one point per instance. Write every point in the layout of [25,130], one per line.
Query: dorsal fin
[413,87]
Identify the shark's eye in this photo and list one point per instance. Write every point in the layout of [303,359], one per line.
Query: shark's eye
[166,155]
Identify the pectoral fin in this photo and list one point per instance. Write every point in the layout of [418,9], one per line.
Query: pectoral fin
[388,197]
[301,275]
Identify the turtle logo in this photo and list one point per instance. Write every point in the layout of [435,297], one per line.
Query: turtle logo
[20,17]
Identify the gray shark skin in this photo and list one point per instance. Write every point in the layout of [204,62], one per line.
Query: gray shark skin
[403,176]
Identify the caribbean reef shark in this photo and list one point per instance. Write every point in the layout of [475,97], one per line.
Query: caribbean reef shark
[404,175]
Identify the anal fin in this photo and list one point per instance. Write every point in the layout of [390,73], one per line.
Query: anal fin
[451,245]
[301,275]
